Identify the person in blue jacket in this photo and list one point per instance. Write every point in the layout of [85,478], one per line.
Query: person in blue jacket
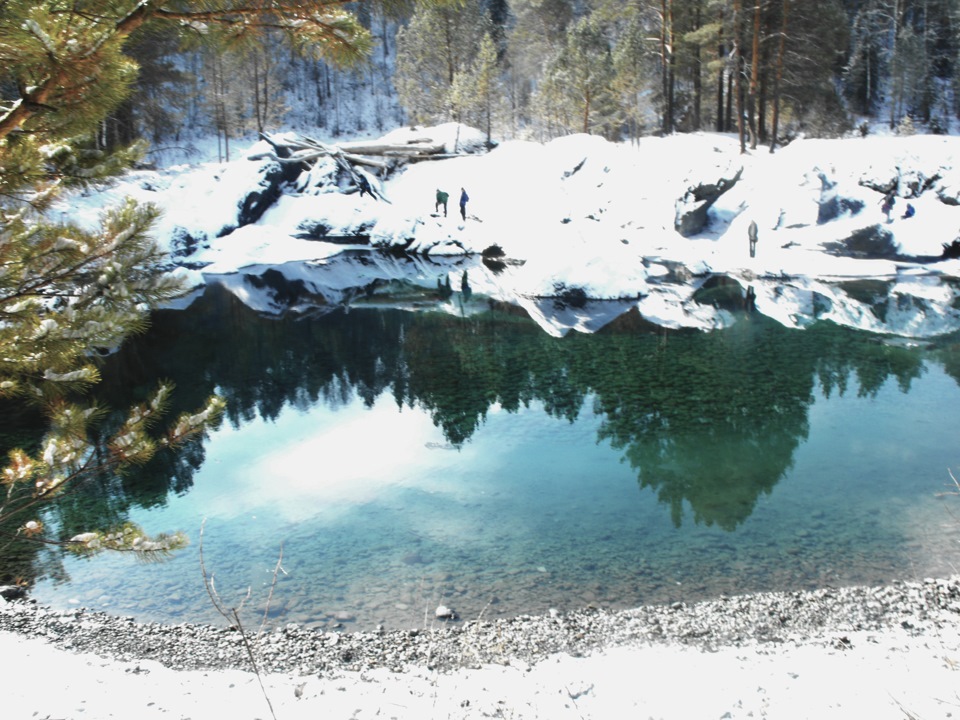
[463,203]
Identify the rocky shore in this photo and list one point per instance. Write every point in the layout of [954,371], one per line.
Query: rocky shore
[918,608]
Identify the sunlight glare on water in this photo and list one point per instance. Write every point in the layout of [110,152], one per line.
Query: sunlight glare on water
[303,465]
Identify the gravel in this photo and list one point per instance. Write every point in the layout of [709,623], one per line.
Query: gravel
[777,617]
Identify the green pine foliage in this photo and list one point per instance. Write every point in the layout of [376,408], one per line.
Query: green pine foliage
[439,42]
[786,66]
[576,92]
[476,92]
[69,293]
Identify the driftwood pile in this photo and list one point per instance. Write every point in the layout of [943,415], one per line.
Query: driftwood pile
[300,152]
[381,157]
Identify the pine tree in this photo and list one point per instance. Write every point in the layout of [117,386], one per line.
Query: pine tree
[68,293]
[475,93]
[909,76]
[575,95]
[814,56]
[631,75]
[439,42]
[537,31]
[159,102]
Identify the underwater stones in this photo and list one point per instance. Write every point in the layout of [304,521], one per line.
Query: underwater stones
[283,291]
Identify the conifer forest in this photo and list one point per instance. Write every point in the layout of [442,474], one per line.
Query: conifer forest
[541,69]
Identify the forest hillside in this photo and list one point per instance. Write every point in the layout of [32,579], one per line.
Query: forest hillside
[769,71]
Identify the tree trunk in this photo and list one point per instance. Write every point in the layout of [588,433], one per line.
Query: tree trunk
[720,79]
[754,76]
[738,70]
[667,118]
[258,103]
[728,115]
[762,104]
[586,114]
[672,67]
[384,35]
[778,76]
[697,74]
[896,88]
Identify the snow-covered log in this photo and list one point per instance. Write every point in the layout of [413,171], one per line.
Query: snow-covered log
[303,149]
[420,148]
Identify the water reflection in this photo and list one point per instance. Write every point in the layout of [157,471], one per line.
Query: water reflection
[708,420]
[400,449]
[909,302]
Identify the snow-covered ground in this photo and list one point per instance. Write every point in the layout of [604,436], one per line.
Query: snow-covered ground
[882,675]
[581,213]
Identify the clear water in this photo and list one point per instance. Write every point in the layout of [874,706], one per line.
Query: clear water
[403,460]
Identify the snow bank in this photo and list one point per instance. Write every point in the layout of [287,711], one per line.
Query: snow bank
[582,212]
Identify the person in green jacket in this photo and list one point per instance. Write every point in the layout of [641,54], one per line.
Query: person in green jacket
[441,200]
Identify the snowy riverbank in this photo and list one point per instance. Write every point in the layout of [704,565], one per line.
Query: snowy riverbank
[605,221]
[884,652]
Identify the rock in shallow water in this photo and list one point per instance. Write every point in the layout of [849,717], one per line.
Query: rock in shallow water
[444,613]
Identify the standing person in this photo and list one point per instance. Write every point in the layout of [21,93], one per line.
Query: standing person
[441,200]
[365,188]
[752,233]
[463,204]
[887,206]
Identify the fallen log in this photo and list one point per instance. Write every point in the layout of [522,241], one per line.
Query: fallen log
[306,149]
[426,147]
[382,156]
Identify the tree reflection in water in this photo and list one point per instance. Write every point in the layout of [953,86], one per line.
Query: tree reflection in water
[707,420]
[710,419]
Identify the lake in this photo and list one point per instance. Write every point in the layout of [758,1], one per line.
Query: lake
[400,460]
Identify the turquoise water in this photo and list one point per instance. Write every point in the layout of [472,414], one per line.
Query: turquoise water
[403,460]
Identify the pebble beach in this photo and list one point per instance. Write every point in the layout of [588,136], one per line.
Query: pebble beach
[883,651]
